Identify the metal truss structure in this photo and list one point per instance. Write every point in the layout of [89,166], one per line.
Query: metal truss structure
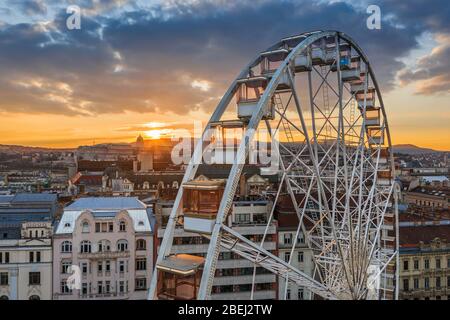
[336,167]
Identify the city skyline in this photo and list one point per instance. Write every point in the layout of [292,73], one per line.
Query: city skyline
[149,68]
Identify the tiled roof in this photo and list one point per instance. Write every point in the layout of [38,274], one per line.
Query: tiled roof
[413,235]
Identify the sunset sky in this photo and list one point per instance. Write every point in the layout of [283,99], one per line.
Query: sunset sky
[151,67]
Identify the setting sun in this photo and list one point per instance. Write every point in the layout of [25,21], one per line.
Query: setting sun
[157,133]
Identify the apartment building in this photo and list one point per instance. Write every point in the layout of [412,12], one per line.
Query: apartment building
[300,256]
[103,249]
[425,260]
[26,263]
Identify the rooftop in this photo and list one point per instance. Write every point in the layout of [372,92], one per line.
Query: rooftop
[107,208]
[412,236]
[106,203]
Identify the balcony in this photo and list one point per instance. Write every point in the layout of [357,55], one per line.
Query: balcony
[244,279]
[105,296]
[104,255]
[258,295]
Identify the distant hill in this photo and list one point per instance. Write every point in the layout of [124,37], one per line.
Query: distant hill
[26,149]
[412,149]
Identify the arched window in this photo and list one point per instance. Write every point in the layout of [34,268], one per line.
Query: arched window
[4,298]
[66,246]
[146,185]
[175,185]
[85,227]
[104,246]
[122,226]
[122,245]
[34,297]
[85,246]
[140,244]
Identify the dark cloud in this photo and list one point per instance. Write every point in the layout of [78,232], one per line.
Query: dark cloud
[146,60]
[432,74]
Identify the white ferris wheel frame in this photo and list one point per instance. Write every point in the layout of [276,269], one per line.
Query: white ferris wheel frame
[333,287]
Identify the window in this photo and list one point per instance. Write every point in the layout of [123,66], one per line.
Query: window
[416,264]
[300,257]
[405,284]
[140,244]
[38,256]
[85,227]
[100,287]
[104,227]
[108,266]
[31,254]
[6,257]
[100,266]
[66,246]
[121,266]
[288,294]
[416,283]
[300,294]
[121,286]
[64,288]
[122,226]
[122,245]
[34,297]
[287,238]
[427,264]
[84,288]
[427,283]
[34,278]
[85,246]
[405,265]
[4,278]
[141,284]
[104,246]
[287,256]
[243,218]
[107,286]
[65,265]
[438,282]
[84,268]
[438,263]
[141,264]
[448,263]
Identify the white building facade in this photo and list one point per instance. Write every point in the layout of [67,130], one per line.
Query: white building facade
[103,249]
[26,264]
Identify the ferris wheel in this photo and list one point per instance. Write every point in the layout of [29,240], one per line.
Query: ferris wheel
[316,94]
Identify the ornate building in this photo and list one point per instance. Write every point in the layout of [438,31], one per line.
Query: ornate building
[103,249]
